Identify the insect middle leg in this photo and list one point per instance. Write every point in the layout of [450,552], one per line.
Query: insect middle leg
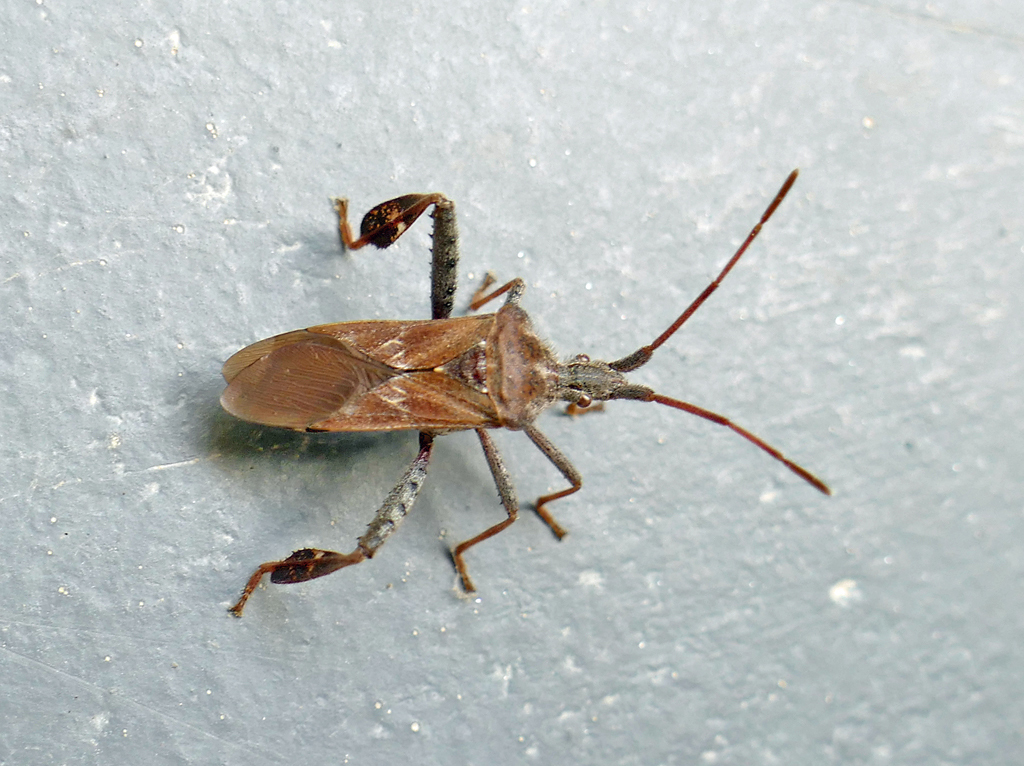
[561,462]
[310,563]
[506,491]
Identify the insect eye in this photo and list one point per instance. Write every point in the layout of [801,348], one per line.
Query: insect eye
[582,358]
[584,401]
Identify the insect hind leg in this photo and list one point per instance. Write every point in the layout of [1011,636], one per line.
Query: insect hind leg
[311,563]
[306,564]
[568,470]
[444,260]
[507,492]
[386,222]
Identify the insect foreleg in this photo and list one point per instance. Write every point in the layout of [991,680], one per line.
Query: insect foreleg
[506,491]
[488,280]
[561,462]
[515,289]
[310,563]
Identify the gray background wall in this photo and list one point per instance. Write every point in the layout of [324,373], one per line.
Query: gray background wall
[166,172]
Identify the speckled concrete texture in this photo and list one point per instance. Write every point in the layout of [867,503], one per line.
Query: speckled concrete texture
[166,174]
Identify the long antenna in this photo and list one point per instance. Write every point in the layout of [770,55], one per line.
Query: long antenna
[643,355]
[757,441]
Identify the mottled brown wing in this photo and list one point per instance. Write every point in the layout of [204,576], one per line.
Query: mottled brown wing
[320,379]
[411,345]
[423,401]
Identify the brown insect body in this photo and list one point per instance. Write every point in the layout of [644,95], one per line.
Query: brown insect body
[436,376]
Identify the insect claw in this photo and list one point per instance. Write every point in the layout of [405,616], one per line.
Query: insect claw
[460,567]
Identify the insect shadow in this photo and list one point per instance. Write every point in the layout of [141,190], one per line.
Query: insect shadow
[438,376]
[340,458]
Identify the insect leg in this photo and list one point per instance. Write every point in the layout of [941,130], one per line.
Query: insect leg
[389,220]
[506,491]
[445,265]
[489,279]
[386,222]
[561,462]
[514,288]
[310,563]
[572,409]
[399,501]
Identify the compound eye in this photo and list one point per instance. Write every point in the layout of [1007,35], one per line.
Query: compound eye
[584,401]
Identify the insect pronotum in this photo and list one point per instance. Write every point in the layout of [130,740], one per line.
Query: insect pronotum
[437,376]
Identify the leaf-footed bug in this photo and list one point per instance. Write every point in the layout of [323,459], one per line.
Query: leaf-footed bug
[437,376]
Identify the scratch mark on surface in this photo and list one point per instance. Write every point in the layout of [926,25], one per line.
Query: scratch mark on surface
[56,269]
[31,661]
[181,463]
[958,27]
[160,641]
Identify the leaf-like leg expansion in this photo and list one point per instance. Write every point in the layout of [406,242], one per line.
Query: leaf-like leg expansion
[307,564]
[385,223]
[311,563]
[506,491]
[561,462]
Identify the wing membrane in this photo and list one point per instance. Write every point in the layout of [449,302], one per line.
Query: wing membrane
[318,380]
[297,379]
